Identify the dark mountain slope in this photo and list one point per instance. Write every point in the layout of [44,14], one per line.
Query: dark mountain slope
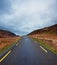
[5,33]
[48,30]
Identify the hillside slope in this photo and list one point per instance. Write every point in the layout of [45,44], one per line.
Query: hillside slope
[51,30]
[5,33]
[47,37]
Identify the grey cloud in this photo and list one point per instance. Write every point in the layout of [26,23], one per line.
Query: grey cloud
[5,6]
[26,16]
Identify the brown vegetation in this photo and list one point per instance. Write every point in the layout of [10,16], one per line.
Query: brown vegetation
[47,35]
[7,39]
[4,42]
[46,30]
[49,39]
[5,33]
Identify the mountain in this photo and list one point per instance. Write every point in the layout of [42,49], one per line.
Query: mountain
[5,33]
[47,30]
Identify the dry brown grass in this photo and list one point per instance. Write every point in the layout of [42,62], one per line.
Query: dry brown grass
[50,40]
[4,42]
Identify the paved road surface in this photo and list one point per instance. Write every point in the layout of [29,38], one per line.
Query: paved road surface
[28,52]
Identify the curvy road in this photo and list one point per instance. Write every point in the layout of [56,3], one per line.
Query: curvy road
[29,52]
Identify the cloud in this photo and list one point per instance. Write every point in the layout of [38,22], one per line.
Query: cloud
[24,16]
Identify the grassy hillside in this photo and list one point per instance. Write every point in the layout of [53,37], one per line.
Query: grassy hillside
[5,33]
[47,30]
[47,37]
[7,39]
[6,43]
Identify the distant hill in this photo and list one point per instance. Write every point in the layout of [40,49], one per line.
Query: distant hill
[5,33]
[47,30]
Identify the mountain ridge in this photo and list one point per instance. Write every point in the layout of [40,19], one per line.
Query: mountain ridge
[5,33]
[47,30]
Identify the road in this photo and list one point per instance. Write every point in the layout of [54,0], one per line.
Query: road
[29,52]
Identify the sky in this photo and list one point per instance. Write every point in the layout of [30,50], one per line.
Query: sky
[24,16]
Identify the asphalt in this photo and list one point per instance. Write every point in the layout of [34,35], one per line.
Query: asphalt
[29,52]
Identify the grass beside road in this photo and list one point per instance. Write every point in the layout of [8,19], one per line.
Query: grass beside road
[42,43]
[6,47]
[6,43]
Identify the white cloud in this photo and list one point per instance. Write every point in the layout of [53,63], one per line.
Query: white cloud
[29,14]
